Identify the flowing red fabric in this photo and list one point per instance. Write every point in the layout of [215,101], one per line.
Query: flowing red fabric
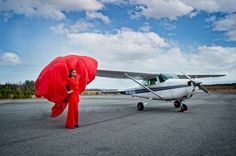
[51,82]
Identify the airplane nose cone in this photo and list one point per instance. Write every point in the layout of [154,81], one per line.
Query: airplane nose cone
[190,83]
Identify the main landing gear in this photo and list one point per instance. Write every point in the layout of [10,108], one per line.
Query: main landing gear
[140,105]
[177,103]
[182,107]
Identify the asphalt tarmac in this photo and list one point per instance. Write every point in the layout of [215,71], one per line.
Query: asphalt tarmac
[111,125]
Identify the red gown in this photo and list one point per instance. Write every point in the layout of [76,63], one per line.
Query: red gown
[50,82]
[73,100]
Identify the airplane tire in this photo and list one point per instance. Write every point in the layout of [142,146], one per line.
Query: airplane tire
[177,104]
[140,106]
[184,107]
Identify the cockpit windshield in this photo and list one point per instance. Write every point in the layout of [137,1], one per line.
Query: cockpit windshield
[164,77]
[169,76]
[159,79]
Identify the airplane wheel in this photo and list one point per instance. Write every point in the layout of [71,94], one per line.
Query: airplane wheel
[184,107]
[140,106]
[177,104]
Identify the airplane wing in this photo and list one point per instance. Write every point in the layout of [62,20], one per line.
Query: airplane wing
[142,76]
[198,76]
[122,74]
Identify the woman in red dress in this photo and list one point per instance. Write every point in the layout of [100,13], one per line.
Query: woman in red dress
[73,100]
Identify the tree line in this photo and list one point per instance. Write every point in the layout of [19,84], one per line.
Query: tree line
[17,91]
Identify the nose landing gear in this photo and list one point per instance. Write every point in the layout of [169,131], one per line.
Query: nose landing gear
[182,107]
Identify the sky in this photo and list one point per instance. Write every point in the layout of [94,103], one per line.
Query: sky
[157,36]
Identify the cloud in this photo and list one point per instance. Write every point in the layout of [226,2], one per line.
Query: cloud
[168,25]
[54,9]
[227,25]
[223,55]
[145,51]
[193,14]
[80,26]
[51,9]
[91,15]
[76,5]
[161,9]
[211,19]
[123,43]
[208,6]
[59,29]
[9,58]
[117,2]
[116,50]
[77,27]
[204,60]
[145,28]
[171,9]
[212,6]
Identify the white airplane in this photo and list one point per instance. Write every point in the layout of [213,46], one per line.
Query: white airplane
[168,87]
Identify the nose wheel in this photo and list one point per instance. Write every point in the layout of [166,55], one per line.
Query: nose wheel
[183,108]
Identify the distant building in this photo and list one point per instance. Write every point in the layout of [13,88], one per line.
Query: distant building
[100,91]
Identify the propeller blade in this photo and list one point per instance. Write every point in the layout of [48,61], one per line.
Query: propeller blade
[198,84]
[202,88]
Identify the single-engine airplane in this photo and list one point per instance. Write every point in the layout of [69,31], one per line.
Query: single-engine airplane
[168,87]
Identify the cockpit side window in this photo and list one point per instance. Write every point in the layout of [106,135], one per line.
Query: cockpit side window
[152,81]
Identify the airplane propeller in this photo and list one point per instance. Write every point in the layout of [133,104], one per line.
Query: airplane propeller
[198,84]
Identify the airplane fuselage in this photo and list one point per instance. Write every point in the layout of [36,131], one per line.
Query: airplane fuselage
[171,89]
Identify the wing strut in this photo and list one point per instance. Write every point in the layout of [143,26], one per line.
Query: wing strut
[143,86]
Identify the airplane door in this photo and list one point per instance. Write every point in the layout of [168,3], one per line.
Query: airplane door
[167,91]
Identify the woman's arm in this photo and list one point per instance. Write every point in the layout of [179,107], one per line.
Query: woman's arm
[70,91]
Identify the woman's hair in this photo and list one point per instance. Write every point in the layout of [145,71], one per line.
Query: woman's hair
[70,74]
